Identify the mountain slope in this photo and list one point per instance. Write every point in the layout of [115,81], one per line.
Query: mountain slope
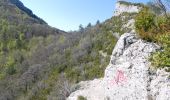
[22,38]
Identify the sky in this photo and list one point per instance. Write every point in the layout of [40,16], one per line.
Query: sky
[67,15]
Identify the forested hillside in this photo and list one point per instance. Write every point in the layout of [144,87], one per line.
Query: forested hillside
[39,62]
[36,59]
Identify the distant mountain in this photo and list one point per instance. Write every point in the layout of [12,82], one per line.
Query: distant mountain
[21,6]
[16,14]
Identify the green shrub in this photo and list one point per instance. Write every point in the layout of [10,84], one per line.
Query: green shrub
[161,59]
[145,24]
[149,26]
[81,98]
[163,24]
[156,29]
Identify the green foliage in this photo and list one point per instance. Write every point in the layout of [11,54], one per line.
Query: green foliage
[156,29]
[10,66]
[161,59]
[75,54]
[116,23]
[9,45]
[41,95]
[145,24]
[61,39]
[149,26]
[81,98]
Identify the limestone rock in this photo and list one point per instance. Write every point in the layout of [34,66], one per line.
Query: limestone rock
[91,90]
[121,8]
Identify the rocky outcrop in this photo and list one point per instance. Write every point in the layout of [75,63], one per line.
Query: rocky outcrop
[129,75]
[123,6]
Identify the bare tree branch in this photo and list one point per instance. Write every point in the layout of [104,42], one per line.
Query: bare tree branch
[163,5]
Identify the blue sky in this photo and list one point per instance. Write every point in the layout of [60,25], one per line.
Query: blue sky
[69,14]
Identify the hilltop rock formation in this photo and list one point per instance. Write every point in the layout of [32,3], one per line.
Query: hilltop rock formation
[123,6]
[129,76]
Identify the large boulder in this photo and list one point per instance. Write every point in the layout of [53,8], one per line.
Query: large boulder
[129,75]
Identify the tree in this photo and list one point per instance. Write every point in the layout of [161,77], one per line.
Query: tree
[98,22]
[4,36]
[62,89]
[81,29]
[89,25]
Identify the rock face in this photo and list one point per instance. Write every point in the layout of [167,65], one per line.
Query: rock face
[129,75]
[122,7]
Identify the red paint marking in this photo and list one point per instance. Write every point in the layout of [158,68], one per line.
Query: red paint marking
[119,78]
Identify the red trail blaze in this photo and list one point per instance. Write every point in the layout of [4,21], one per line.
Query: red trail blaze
[119,77]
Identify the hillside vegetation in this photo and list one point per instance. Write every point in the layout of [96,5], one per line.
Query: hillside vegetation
[38,62]
[38,66]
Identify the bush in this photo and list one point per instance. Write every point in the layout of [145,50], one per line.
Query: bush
[161,59]
[81,98]
[163,24]
[156,29]
[149,26]
[145,24]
